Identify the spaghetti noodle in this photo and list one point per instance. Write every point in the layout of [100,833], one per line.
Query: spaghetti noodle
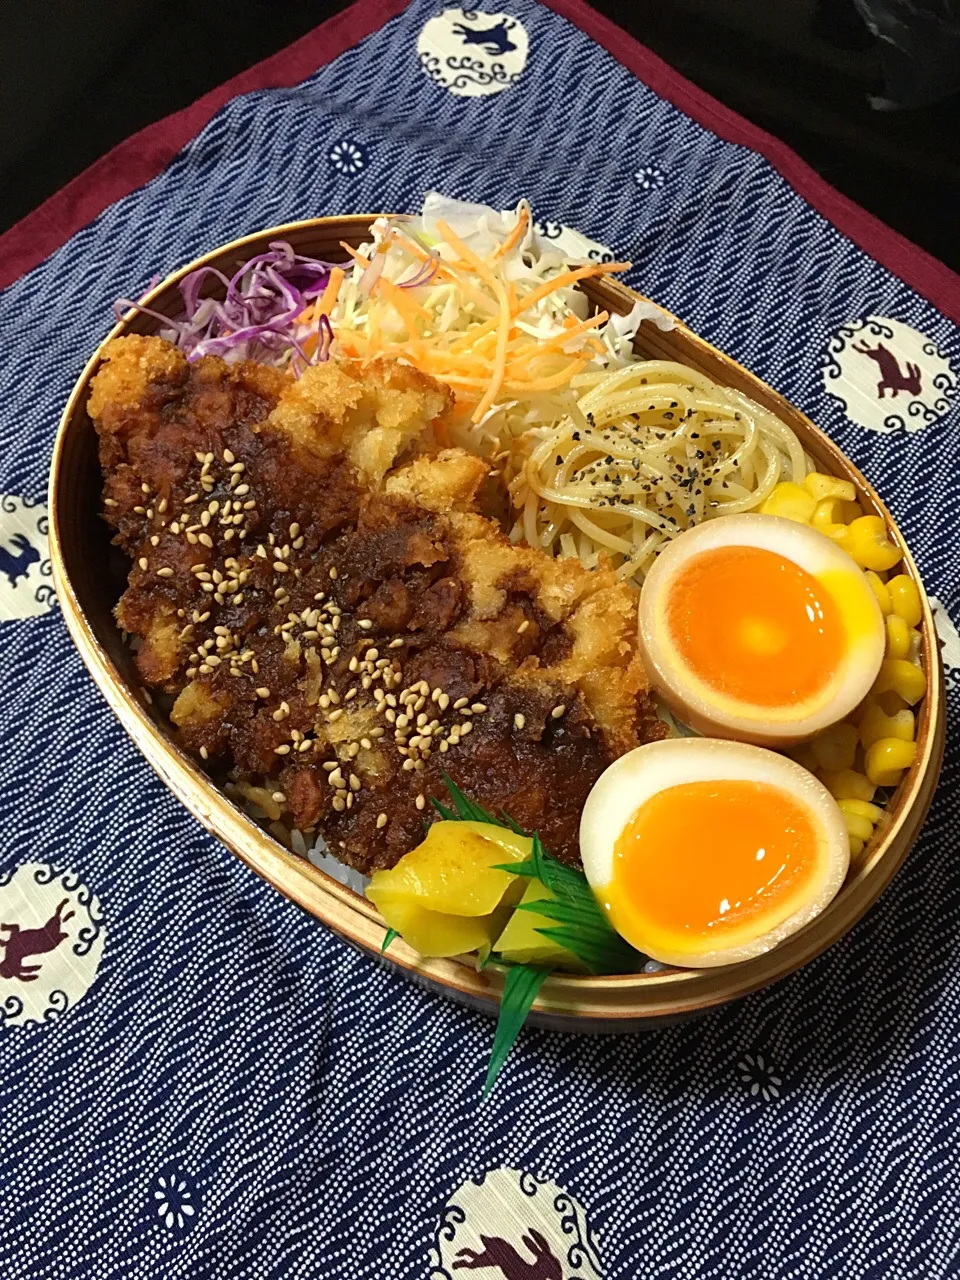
[648,451]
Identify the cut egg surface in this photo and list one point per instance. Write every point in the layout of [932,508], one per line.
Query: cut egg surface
[759,628]
[706,852]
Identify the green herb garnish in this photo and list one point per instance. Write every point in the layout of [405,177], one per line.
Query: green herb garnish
[519,992]
[388,937]
[580,925]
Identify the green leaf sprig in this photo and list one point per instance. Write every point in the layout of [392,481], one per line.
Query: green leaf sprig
[580,925]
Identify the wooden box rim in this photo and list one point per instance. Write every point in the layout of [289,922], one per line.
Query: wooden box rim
[568,1002]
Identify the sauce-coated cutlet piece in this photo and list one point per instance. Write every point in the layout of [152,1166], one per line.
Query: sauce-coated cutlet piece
[312,582]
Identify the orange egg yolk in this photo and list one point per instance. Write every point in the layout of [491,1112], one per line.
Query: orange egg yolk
[706,865]
[755,626]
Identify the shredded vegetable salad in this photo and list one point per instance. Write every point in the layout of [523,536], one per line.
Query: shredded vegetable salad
[260,315]
[480,301]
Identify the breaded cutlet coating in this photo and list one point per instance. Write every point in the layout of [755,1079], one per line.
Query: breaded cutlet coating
[340,627]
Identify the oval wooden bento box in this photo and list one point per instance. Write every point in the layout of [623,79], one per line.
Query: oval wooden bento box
[80,555]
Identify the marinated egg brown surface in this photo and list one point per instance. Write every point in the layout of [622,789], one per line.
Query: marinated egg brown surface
[339,625]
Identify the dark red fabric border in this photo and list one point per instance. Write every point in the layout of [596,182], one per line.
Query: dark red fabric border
[917,268]
[147,153]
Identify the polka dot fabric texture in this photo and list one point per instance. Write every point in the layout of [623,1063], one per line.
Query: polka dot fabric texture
[237,1093]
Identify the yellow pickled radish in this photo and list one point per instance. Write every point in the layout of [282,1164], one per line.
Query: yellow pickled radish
[790,501]
[836,748]
[886,759]
[897,675]
[899,636]
[870,546]
[876,724]
[881,591]
[905,599]
[520,941]
[849,784]
[856,846]
[821,486]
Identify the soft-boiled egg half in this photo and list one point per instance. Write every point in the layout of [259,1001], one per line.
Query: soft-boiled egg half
[759,628]
[706,852]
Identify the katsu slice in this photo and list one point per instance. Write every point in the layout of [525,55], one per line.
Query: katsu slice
[312,581]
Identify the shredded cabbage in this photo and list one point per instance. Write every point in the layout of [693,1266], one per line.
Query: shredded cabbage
[257,318]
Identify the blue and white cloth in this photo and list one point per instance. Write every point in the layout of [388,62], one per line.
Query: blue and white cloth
[219,1088]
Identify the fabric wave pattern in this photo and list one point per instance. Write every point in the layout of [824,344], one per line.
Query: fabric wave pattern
[318,1107]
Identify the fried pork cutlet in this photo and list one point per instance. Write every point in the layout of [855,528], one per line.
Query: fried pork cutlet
[337,622]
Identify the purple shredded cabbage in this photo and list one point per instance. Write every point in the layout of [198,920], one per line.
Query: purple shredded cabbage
[254,320]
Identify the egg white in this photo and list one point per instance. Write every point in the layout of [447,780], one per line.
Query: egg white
[712,712]
[644,772]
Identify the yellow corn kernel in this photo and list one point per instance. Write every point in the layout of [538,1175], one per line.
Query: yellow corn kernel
[886,759]
[891,703]
[804,755]
[848,785]
[790,501]
[898,637]
[872,812]
[860,828]
[856,846]
[835,748]
[828,511]
[905,599]
[881,591]
[820,486]
[838,533]
[876,724]
[897,675]
[870,546]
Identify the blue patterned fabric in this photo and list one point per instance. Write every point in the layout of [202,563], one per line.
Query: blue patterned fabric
[312,1109]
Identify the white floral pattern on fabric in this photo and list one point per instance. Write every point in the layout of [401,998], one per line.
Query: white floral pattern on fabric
[348,157]
[760,1075]
[650,177]
[473,54]
[176,1199]
[870,361]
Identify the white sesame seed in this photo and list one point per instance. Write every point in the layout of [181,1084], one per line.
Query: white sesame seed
[282,750]
[382,821]
[408,766]
[395,644]
[460,703]
[421,801]
[143,562]
[333,572]
[204,753]
[522,627]
[262,692]
[339,803]
[558,711]
[364,623]
[205,540]
[479,707]
[165,572]
[519,721]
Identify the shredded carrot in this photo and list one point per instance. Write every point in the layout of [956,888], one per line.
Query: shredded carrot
[546,384]
[358,257]
[514,238]
[570,277]
[503,332]
[330,294]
